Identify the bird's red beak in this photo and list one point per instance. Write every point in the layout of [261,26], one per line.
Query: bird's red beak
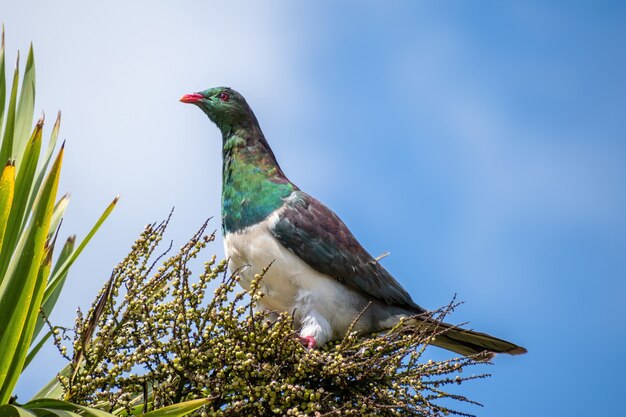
[191,98]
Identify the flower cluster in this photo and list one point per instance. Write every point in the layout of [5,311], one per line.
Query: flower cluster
[159,334]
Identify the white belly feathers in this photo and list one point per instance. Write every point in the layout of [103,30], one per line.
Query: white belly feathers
[322,307]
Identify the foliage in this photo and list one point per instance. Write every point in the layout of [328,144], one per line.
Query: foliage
[29,225]
[56,408]
[155,336]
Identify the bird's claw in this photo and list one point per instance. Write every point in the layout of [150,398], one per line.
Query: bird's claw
[307,341]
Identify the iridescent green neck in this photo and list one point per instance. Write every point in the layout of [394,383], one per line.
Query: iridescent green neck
[253,186]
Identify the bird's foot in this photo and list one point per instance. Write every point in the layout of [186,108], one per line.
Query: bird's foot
[307,341]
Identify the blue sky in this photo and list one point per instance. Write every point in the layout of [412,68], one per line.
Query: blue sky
[483,145]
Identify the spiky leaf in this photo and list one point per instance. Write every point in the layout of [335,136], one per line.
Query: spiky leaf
[59,272]
[21,290]
[41,172]
[7,186]
[23,183]
[6,150]
[51,295]
[25,108]
[3,86]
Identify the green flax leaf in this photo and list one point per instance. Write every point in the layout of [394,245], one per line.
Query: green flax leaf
[21,289]
[51,296]
[178,410]
[57,275]
[41,172]
[23,182]
[6,150]
[25,109]
[50,412]
[3,85]
[17,367]
[7,187]
[10,410]
[57,213]
[52,404]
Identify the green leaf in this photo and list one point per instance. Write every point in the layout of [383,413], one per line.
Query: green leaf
[57,275]
[23,183]
[27,334]
[25,108]
[3,85]
[44,272]
[7,186]
[21,290]
[18,364]
[51,296]
[10,410]
[49,412]
[29,221]
[52,404]
[6,151]
[41,172]
[57,213]
[178,410]
[175,410]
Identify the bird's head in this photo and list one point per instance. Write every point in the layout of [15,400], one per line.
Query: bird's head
[224,106]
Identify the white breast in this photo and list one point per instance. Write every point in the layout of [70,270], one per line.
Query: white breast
[323,307]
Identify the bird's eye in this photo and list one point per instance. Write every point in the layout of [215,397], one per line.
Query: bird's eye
[224,96]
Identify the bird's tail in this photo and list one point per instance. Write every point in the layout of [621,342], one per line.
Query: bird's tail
[467,342]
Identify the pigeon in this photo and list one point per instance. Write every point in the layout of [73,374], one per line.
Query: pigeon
[319,272]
